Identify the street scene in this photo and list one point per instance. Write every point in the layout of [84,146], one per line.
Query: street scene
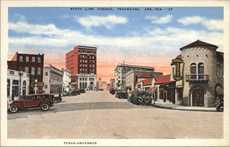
[91,73]
[101,115]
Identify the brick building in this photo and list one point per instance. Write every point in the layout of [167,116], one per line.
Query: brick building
[32,64]
[81,61]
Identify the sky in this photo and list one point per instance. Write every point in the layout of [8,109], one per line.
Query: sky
[141,36]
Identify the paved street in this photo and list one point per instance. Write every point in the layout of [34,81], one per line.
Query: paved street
[101,115]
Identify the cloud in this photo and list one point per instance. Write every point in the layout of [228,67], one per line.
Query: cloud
[97,21]
[160,19]
[155,41]
[210,24]
[156,47]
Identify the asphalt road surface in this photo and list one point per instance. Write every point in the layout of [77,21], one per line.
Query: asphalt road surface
[101,115]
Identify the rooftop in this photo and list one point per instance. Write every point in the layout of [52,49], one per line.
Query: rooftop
[199,43]
[85,47]
[163,79]
[147,81]
[135,66]
[51,66]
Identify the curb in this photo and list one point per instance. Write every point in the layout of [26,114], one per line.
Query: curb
[183,109]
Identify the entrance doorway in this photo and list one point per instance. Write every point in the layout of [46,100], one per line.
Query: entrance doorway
[197,96]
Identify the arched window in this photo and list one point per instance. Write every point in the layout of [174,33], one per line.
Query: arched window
[201,70]
[193,70]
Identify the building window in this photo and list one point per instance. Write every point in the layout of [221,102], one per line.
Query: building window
[173,71]
[33,59]
[27,59]
[8,87]
[46,86]
[39,59]
[46,73]
[15,88]
[12,72]
[32,70]
[193,70]
[27,69]
[39,71]
[21,58]
[178,69]
[201,70]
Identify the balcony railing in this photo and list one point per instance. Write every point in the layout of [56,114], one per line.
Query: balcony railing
[198,78]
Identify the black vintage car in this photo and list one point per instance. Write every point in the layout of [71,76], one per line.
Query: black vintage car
[141,98]
[82,90]
[121,94]
[112,91]
[75,92]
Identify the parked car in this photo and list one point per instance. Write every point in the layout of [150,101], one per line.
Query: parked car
[121,94]
[140,98]
[44,101]
[220,104]
[57,98]
[112,91]
[76,92]
[82,90]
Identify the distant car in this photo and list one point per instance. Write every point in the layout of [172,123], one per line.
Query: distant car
[112,91]
[82,90]
[76,92]
[141,98]
[44,101]
[121,94]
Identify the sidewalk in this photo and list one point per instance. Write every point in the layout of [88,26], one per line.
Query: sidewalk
[184,108]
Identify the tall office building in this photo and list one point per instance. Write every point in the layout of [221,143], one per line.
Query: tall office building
[81,61]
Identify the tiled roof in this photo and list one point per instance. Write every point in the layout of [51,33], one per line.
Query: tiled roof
[135,66]
[147,81]
[200,44]
[144,75]
[85,47]
[164,79]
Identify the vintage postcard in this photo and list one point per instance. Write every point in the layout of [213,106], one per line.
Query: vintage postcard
[118,73]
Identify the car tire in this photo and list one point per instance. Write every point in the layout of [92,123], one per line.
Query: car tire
[45,107]
[13,109]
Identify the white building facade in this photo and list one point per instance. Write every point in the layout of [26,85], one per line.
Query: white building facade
[53,80]
[122,69]
[17,83]
[87,81]
[66,86]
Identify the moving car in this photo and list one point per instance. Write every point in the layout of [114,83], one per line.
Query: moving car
[44,101]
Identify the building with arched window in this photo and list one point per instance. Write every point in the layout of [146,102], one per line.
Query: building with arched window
[17,83]
[198,73]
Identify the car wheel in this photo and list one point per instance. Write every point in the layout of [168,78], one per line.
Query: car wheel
[13,109]
[44,107]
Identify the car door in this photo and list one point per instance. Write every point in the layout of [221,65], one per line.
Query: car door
[36,100]
[27,101]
